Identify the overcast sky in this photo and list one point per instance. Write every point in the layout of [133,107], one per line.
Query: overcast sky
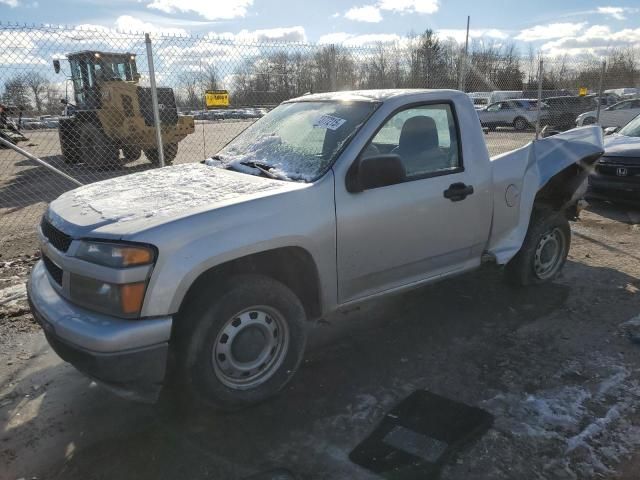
[567,26]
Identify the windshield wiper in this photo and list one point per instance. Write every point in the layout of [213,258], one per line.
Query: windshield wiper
[262,167]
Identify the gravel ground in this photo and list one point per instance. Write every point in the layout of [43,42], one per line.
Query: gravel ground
[556,365]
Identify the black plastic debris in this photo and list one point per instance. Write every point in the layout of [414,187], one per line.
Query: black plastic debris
[420,435]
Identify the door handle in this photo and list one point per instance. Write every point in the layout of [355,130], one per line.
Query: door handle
[458,191]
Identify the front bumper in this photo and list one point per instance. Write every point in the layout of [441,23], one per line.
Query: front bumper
[626,189]
[127,356]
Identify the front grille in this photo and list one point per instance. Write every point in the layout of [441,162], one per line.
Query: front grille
[618,167]
[58,239]
[54,270]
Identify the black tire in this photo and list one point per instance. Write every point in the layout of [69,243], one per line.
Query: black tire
[69,140]
[131,153]
[96,148]
[170,151]
[546,227]
[200,334]
[520,124]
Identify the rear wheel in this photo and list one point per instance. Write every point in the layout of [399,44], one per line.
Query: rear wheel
[544,250]
[170,151]
[520,124]
[131,153]
[243,346]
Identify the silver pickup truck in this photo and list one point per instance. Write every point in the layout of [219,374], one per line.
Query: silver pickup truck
[216,269]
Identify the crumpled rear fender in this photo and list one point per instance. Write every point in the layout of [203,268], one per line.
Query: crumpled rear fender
[552,171]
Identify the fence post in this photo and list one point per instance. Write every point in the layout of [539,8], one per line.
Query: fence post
[463,62]
[604,66]
[333,77]
[154,100]
[540,75]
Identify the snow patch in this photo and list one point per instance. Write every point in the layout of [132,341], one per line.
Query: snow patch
[163,192]
[13,293]
[586,421]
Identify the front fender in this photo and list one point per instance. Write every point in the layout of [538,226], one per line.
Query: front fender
[519,177]
[303,218]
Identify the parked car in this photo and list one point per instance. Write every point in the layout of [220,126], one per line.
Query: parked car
[564,110]
[329,200]
[617,172]
[519,114]
[616,115]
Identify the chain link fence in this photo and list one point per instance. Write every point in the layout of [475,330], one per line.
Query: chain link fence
[82,101]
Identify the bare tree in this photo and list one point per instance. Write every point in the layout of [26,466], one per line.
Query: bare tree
[16,92]
[37,83]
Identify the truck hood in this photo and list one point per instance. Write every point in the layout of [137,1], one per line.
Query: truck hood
[621,146]
[136,202]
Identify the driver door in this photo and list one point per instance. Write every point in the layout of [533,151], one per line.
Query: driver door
[397,235]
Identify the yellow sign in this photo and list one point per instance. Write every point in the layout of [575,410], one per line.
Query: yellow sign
[216,98]
[583,91]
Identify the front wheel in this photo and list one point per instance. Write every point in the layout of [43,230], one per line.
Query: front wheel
[544,250]
[520,124]
[243,346]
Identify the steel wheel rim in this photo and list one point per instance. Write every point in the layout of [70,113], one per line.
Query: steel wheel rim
[520,124]
[549,252]
[250,347]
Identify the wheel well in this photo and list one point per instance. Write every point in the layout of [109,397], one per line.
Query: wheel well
[560,191]
[293,266]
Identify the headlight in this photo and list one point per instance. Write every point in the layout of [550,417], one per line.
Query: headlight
[115,255]
[122,300]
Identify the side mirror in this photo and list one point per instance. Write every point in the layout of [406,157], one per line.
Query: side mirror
[56,66]
[610,130]
[374,172]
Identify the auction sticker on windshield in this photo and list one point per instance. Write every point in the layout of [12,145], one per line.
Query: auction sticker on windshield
[329,122]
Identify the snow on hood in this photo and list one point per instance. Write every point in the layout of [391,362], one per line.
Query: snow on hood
[622,146]
[156,194]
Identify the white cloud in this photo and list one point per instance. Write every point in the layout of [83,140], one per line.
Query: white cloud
[368,13]
[372,13]
[10,3]
[127,23]
[360,40]
[619,13]
[295,34]
[597,39]
[459,34]
[223,10]
[552,30]
[410,6]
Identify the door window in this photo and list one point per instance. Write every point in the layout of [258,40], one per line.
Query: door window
[425,138]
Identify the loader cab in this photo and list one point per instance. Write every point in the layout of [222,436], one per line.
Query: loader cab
[92,71]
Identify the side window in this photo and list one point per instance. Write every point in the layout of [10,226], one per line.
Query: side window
[425,138]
